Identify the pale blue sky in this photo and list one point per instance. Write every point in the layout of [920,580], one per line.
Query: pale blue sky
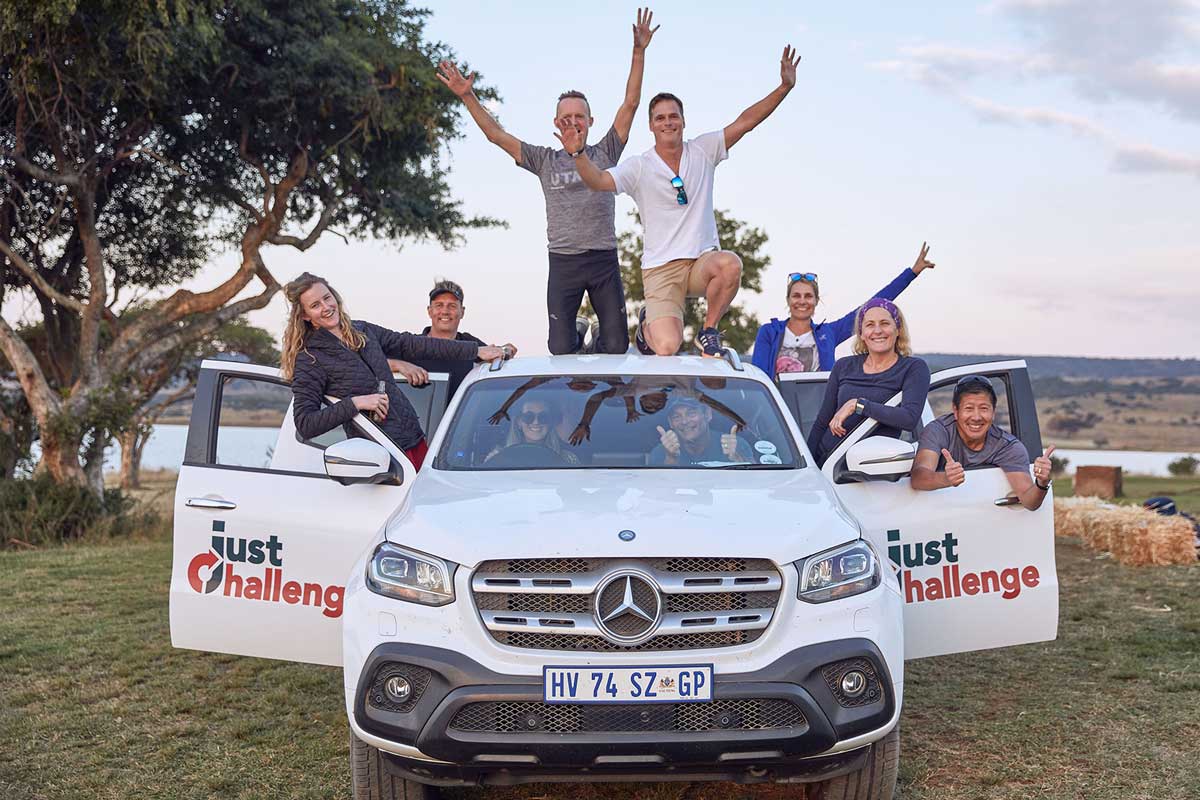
[1046,149]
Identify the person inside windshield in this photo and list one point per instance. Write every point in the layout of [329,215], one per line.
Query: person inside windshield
[967,437]
[649,392]
[860,385]
[690,439]
[325,352]
[533,424]
[798,344]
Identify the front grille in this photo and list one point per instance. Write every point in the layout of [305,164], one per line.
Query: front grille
[598,644]
[550,603]
[533,717]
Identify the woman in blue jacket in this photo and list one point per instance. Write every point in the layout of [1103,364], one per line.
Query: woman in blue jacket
[798,344]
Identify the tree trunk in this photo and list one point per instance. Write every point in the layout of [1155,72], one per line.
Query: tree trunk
[94,461]
[131,458]
[60,459]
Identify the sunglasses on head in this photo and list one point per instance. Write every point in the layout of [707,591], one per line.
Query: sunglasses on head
[535,417]
[680,194]
[809,277]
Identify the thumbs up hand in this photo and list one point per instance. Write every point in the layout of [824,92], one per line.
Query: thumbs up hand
[729,443]
[1042,466]
[670,442]
[954,470]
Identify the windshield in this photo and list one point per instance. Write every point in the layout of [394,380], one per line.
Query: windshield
[606,421]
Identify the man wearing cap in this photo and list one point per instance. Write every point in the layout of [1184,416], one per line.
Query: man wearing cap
[580,226]
[690,440]
[967,438]
[446,311]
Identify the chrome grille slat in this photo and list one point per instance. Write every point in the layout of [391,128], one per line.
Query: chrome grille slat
[546,604]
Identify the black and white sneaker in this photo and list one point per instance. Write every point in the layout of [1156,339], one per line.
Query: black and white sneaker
[709,342]
[591,342]
[581,331]
[639,338]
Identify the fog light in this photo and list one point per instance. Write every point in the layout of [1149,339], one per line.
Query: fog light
[854,683]
[398,689]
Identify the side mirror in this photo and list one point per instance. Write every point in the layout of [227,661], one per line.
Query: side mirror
[880,456]
[358,461]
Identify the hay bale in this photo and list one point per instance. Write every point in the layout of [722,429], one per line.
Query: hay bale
[1132,534]
[1098,482]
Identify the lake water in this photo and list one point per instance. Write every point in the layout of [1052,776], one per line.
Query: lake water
[165,451]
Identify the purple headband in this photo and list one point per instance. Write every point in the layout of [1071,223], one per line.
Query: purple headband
[879,302]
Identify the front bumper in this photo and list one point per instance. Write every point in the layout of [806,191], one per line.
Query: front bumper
[489,728]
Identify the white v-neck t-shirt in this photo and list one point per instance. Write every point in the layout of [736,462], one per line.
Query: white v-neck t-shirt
[673,230]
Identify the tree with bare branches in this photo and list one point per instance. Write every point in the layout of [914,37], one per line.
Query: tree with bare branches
[134,136]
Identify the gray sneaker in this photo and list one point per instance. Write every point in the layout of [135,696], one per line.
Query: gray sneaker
[591,344]
[581,329]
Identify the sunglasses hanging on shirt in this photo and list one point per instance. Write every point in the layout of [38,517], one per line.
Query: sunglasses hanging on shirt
[680,194]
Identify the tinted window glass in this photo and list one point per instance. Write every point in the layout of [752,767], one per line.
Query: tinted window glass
[248,423]
[617,421]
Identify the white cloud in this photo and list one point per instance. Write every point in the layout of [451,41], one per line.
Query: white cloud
[1108,50]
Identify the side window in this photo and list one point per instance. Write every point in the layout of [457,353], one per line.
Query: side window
[248,421]
[803,399]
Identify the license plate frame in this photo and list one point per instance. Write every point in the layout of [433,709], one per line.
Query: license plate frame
[633,685]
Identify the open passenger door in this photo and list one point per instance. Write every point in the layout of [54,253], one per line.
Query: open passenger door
[976,570]
[265,534]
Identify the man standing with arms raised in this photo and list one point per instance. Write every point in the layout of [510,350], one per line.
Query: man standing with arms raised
[579,222]
[672,184]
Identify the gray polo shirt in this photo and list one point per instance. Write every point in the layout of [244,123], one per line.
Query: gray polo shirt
[1000,448]
[577,219]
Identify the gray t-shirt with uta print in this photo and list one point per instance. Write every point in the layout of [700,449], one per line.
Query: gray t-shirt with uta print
[577,219]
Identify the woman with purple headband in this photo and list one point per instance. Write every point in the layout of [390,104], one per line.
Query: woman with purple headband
[860,385]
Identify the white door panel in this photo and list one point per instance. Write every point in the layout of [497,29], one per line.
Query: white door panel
[993,582]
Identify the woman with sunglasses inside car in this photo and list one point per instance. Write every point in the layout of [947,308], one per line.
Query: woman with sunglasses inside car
[534,424]
[798,344]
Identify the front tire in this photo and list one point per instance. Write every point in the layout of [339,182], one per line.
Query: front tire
[875,781]
[373,780]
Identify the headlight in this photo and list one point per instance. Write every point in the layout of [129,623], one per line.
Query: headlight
[842,572]
[408,575]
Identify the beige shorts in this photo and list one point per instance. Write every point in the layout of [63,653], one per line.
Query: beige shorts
[667,287]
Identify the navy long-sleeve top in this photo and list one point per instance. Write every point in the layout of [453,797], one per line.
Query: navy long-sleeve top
[847,380]
[325,366]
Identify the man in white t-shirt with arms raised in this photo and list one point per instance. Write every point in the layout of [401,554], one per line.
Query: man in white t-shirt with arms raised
[672,185]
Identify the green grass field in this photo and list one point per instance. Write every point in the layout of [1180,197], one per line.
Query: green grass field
[96,703]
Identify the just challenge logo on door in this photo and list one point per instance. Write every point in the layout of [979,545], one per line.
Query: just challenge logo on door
[252,569]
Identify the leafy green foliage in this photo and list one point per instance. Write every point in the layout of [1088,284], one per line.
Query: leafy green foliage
[1184,466]
[39,512]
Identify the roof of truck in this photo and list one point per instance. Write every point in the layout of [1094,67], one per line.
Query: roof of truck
[626,364]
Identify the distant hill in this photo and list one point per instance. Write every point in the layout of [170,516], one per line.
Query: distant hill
[1045,367]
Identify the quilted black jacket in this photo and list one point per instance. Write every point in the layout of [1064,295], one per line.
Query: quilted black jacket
[325,366]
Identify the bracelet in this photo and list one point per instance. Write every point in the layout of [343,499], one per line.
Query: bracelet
[577,155]
[1045,488]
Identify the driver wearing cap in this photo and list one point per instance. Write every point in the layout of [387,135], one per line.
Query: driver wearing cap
[690,439]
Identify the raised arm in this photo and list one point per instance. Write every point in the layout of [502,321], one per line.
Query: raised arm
[749,119]
[596,179]
[464,87]
[642,34]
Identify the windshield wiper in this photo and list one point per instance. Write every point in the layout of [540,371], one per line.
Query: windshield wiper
[754,466]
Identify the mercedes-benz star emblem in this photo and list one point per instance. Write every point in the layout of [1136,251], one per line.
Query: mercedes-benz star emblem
[626,536]
[628,607]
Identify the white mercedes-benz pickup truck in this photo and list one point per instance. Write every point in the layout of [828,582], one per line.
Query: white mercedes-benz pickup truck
[609,568]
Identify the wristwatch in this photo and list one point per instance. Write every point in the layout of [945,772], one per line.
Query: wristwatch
[859,408]
[1045,488]
[577,155]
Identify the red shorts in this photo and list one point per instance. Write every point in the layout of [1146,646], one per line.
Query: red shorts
[416,453]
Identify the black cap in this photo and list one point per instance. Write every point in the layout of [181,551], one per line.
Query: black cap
[972,384]
[446,288]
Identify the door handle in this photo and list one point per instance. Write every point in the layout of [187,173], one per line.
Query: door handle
[1011,500]
[210,502]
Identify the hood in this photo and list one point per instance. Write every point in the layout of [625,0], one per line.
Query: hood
[468,517]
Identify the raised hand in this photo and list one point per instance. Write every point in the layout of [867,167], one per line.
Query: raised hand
[669,441]
[571,138]
[921,262]
[729,443]
[642,32]
[580,433]
[787,67]
[494,419]
[954,470]
[1042,466]
[490,352]
[458,83]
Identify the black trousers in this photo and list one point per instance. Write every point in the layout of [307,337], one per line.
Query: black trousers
[598,273]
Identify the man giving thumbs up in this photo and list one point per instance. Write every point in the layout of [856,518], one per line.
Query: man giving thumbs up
[968,439]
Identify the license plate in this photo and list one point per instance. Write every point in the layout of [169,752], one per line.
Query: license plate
[691,683]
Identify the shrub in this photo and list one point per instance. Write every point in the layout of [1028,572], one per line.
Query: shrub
[37,511]
[1058,465]
[1184,466]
